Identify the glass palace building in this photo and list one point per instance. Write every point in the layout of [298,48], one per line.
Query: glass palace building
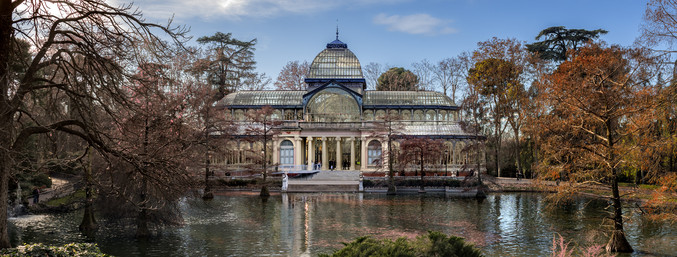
[337,124]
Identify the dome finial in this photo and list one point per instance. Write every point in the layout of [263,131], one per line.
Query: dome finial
[337,43]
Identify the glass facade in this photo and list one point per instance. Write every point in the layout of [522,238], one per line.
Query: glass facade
[263,97]
[336,121]
[333,105]
[406,98]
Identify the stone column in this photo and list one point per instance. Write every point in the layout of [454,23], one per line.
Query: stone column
[352,153]
[339,162]
[385,158]
[364,153]
[298,152]
[325,163]
[311,154]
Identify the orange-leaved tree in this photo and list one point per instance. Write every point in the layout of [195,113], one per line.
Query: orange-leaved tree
[594,100]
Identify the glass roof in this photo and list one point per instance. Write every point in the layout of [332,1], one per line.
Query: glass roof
[335,63]
[295,98]
[264,97]
[403,98]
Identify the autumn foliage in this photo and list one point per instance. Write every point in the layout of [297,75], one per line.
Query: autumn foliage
[592,105]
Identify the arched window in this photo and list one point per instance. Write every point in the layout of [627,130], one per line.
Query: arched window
[368,115]
[393,114]
[286,153]
[430,115]
[406,115]
[289,114]
[442,115]
[418,115]
[333,105]
[380,114]
[374,153]
[277,115]
[239,115]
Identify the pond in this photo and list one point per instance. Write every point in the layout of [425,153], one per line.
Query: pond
[241,224]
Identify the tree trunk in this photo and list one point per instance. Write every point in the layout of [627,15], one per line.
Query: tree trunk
[422,189]
[142,230]
[208,190]
[518,159]
[480,186]
[497,149]
[392,190]
[496,162]
[264,188]
[617,242]
[4,185]
[6,114]
[88,225]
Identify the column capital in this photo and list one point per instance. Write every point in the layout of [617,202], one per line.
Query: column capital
[350,139]
[297,138]
[310,139]
[338,138]
[324,138]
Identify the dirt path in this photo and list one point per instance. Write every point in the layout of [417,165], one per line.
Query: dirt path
[60,187]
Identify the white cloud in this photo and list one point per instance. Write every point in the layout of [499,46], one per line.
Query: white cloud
[238,9]
[420,23]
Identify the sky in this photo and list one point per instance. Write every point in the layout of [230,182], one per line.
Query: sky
[390,32]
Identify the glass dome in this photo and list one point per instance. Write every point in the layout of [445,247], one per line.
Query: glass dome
[335,62]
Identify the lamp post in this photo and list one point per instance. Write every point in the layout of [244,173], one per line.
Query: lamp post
[446,162]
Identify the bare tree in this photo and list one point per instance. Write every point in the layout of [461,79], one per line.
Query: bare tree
[262,129]
[390,127]
[372,72]
[421,150]
[257,81]
[82,49]
[424,70]
[292,76]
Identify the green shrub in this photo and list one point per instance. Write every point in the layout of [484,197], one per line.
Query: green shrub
[41,179]
[431,244]
[72,249]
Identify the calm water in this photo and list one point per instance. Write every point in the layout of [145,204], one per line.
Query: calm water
[510,224]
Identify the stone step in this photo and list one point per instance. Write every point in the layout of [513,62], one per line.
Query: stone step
[323,188]
[322,182]
[336,175]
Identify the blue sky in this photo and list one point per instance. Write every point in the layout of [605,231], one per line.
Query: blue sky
[390,32]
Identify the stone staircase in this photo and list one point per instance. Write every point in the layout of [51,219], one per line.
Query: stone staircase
[327,181]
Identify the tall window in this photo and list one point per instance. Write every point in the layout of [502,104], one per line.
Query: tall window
[286,153]
[374,153]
